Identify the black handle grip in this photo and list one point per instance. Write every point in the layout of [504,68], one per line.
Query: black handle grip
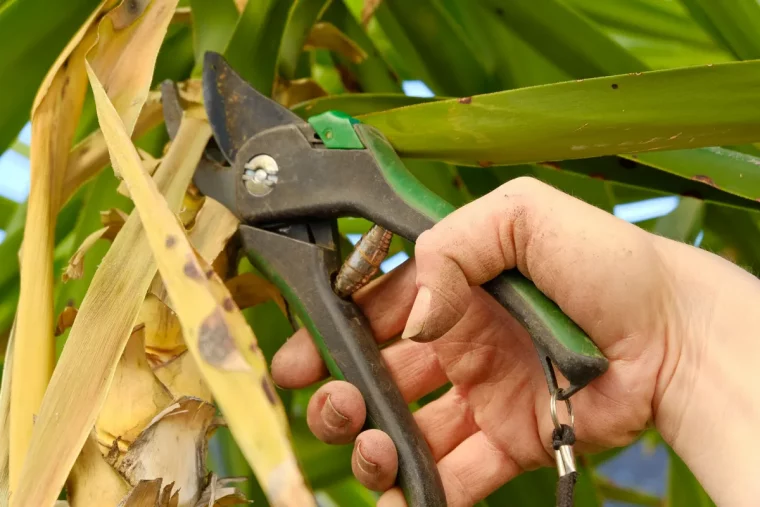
[302,272]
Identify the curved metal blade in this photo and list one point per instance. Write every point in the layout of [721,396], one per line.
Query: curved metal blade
[218,182]
[236,110]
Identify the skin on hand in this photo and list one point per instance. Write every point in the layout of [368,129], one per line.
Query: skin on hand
[678,325]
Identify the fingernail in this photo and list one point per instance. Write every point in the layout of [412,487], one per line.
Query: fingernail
[416,321]
[332,417]
[367,466]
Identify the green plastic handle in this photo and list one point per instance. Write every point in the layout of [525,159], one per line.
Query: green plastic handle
[558,340]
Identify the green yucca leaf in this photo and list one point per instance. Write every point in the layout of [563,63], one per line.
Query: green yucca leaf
[213,24]
[619,114]
[734,24]
[32,34]
[570,40]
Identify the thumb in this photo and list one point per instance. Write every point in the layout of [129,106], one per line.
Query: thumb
[571,250]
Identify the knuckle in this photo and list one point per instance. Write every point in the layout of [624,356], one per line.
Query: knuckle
[525,184]
[427,243]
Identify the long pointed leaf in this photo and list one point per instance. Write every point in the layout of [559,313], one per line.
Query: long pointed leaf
[571,41]
[734,24]
[619,114]
[255,44]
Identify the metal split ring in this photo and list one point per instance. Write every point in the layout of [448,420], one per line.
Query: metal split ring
[553,406]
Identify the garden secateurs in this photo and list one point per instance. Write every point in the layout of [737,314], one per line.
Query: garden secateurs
[288,180]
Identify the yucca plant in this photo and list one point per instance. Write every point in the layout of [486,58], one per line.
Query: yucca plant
[108,397]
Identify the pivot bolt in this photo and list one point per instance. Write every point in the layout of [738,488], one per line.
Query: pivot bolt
[260,175]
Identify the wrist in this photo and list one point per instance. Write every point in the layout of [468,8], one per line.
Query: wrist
[707,401]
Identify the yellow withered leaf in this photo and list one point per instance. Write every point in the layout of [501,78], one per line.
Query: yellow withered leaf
[93,481]
[5,407]
[173,447]
[54,119]
[129,35]
[325,35]
[163,332]
[100,332]
[214,226]
[182,377]
[191,205]
[134,398]
[150,164]
[114,221]
[191,91]
[214,329]
[90,155]
[126,34]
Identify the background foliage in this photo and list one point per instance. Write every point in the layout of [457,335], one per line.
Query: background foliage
[455,48]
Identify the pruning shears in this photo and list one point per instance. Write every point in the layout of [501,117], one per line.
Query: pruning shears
[288,181]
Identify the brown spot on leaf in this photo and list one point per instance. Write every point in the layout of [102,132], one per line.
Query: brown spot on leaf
[209,274]
[553,165]
[704,179]
[485,163]
[228,304]
[65,64]
[465,100]
[597,176]
[268,390]
[170,241]
[191,270]
[253,347]
[614,86]
[215,343]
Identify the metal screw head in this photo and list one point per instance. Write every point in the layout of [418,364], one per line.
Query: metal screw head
[260,175]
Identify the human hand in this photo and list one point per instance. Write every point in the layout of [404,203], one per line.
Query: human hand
[656,309]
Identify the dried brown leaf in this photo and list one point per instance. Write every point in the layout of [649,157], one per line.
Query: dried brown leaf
[145,494]
[214,226]
[290,93]
[134,398]
[325,35]
[150,164]
[114,221]
[101,330]
[177,435]
[222,493]
[163,332]
[182,377]
[90,155]
[214,329]
[248,289]
[93,481]
[65,319]
[370,6]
